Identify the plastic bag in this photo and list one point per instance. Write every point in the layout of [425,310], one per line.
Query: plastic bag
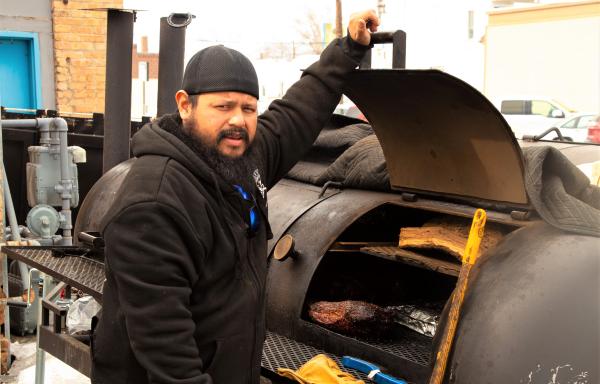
[80,313]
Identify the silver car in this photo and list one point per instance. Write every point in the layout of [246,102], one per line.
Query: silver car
[575,127]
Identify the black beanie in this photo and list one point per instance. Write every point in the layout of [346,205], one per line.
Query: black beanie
[220,69]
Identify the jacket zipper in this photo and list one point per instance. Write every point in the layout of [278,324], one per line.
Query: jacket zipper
[256,285]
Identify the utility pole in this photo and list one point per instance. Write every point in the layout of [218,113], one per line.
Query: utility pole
[380,8]
[338,18]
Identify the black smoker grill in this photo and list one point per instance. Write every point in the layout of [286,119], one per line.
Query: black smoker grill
[532,308]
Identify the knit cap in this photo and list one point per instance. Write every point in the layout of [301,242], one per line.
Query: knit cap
[220,69]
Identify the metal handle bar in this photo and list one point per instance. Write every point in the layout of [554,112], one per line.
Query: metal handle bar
[398,41]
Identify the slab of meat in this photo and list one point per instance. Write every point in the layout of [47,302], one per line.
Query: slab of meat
[351,317]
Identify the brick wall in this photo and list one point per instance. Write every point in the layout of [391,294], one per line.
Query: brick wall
[80,53]
[150,58]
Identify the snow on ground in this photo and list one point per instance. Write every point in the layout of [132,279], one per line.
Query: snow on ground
[56,372]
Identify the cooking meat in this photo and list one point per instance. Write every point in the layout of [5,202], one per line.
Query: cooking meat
[351,317]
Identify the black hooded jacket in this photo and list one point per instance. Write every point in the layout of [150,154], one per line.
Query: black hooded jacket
[183,300]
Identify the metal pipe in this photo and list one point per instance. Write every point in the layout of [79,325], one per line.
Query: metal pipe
[399,50]
[43,125]
[541,135]
[40,361]
[25,123]
[10,208]
[23,231]
[3,258]
[44,129]
[117,117]
[14,225]
[66,181]
[170,60]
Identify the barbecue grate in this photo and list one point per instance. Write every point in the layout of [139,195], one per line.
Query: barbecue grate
[416,349]
[281,352]
[407,345]
[80,272]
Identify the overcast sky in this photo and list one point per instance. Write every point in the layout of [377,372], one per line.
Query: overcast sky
[244,25]
[435,28]
[439,32]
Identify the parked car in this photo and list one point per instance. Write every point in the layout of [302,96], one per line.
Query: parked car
[576,127]
[593,135]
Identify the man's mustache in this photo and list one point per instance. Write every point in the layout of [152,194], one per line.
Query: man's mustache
[234,132]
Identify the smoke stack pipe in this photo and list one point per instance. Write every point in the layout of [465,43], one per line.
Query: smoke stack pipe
[170,60]
[117,99]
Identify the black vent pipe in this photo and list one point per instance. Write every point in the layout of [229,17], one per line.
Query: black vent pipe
[170,59]
[117,102]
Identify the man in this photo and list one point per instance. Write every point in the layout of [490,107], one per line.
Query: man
[186,237]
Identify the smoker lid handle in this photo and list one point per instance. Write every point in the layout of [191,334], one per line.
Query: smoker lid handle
[383,37]
[398,40]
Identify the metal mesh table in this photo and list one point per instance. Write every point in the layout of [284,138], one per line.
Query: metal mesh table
[67,264]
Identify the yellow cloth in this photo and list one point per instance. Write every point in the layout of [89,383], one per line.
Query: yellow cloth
[319,370]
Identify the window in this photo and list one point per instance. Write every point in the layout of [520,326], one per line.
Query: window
[539,107]
[571,123]
[514,107]
[143,70]
[586,121]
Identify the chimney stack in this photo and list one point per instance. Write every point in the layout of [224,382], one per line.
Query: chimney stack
[144,44]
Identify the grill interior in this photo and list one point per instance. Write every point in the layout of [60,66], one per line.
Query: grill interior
[357,276]
[365,264]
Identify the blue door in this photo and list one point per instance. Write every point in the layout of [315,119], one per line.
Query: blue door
[19,73]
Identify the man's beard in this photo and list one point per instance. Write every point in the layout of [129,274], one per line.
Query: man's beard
[233,170]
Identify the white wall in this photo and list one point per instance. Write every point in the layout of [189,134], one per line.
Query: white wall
[437,35]
[557,59]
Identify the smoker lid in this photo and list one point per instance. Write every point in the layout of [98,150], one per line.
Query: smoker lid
[440,136]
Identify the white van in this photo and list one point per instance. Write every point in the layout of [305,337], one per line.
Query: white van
[532,116]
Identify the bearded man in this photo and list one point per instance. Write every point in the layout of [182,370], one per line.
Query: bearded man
[186,237]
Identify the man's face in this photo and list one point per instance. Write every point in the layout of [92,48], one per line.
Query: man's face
[223,120]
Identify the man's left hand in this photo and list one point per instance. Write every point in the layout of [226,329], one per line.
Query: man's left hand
[360,24]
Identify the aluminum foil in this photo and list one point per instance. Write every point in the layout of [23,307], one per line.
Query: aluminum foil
[423,320]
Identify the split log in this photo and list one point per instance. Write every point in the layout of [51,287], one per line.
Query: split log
[448,235]
[433,238]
